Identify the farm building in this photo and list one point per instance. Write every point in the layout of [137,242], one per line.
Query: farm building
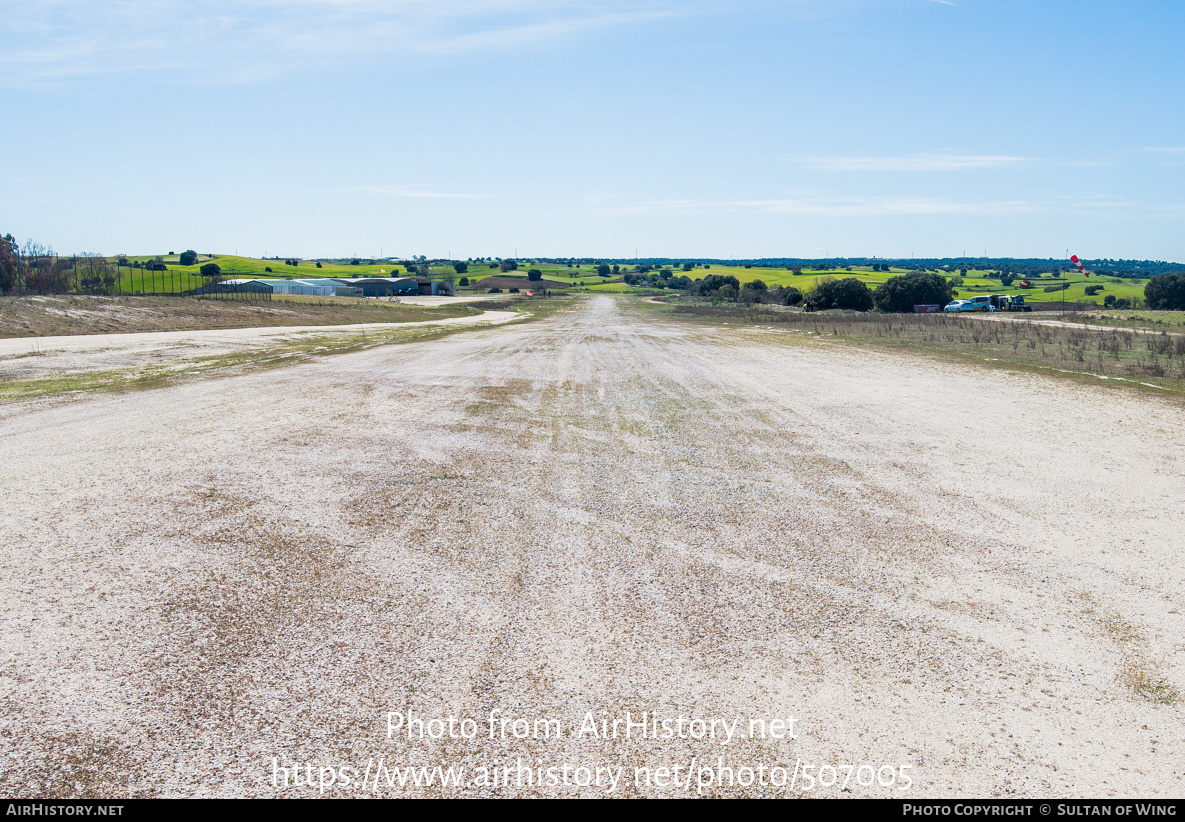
[382,286]
[319,288]
[340,289]
[388,286]
[337,286]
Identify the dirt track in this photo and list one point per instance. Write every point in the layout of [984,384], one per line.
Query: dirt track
[968,571]
[29,357]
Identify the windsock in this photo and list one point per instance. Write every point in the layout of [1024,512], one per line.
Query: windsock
[1081,268]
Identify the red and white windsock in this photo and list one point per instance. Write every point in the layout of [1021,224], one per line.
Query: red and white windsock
[1081,268]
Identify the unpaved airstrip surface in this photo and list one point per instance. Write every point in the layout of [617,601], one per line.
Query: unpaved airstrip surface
[969,572]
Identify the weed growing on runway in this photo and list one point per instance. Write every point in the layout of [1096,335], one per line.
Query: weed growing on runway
[1121,356]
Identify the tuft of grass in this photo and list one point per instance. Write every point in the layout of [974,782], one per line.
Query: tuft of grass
[1112,356]
[1120,629]
[1149,684]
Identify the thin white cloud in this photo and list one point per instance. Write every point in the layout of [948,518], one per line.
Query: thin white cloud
[1112,202]
[245,40]
[1173,155]
[914,162]
[887,207]
[819,207]
[1097,201]
[416,190]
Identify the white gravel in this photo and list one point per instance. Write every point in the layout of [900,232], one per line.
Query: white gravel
[25,357]
[938,565]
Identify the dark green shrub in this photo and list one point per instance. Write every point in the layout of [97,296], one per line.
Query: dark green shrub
[1166,292]
[719,287]
[848,293]
[898,295]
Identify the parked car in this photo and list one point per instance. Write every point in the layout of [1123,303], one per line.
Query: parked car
[957,306]
[981,302]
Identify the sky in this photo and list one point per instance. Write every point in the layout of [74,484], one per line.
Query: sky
[598,128]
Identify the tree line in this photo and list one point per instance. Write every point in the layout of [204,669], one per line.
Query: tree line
[897,295]
[35,268]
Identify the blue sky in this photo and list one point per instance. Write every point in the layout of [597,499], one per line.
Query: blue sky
[750,128]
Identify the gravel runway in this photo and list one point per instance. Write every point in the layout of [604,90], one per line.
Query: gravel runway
[223,587]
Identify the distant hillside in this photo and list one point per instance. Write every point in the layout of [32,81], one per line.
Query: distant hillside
[518,282]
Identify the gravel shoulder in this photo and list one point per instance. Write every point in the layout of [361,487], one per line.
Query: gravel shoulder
[29,358]
[973,572]
[51,316]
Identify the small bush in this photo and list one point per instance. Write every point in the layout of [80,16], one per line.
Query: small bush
[719,287]
[898,295]
[791,296]
[534,275]
[210,270]
[513,290]
[464,281]
[848,293]
[493,291]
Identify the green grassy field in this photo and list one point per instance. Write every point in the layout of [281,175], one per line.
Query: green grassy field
[612,288]
[184,278]
[180,278]
[975,281]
